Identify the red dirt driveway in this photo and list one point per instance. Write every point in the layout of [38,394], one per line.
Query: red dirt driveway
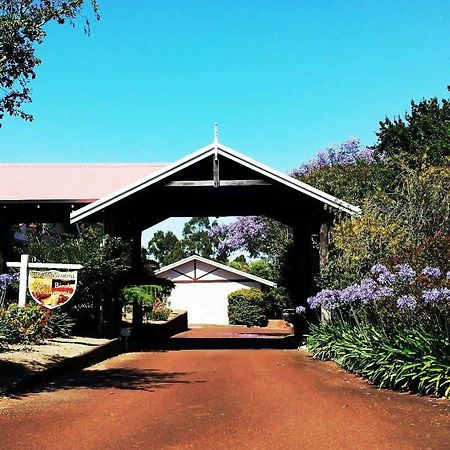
[220,388]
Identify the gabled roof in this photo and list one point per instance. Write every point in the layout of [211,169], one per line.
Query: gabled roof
[217,265]
[199,155]
[78,182]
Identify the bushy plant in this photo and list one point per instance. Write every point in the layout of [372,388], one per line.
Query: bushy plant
[391,328]
[412,359]
[60,323]
[27,324]
[153,299]
[31,324]
[159,311]
[247,307]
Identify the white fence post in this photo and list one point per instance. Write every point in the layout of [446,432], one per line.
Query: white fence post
[23,279]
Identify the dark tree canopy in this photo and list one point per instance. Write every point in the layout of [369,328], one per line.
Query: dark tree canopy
[419,140]
[197,239]
[166,248]
[21,30]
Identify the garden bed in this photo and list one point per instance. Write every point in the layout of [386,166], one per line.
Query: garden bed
[20,362]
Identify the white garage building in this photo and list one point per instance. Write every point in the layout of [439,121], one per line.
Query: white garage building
[202,287]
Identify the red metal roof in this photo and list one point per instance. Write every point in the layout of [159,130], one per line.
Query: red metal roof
[77,182]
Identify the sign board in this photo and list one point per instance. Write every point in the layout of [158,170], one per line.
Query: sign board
[52,288]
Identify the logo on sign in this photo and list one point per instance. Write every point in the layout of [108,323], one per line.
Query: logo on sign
[52,288]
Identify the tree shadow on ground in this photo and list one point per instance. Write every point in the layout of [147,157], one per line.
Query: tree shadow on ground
[147,380]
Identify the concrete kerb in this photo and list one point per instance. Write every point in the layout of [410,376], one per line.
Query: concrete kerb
[71,364]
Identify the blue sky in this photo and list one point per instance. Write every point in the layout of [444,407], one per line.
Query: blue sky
[282,78]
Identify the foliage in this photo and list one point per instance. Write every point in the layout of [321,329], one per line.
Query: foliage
[22,28]
[6,281]
[258,267]
[147,295]
[197,240]
[419,140]
[166,248]
[160,311]
[349,171]
[103,265]
[275,300]
[404,225]
[153,299]
[411,359]
[247,307]
[60,323]
[32,323]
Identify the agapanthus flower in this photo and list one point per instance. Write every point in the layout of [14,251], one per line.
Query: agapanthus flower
[433,272]
[6,279]
[405,272]
[436,295]
[384,276]
[328,298]
[350,294]
[367,289]
[406,301]
[313,302]
[300,310]
[384,291]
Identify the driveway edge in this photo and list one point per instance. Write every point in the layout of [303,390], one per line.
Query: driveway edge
[71,364]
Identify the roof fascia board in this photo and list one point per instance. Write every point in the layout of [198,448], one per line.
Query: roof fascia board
[218,265]
[288,180]
[118,195]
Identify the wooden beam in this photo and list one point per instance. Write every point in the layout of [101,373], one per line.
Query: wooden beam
[210,183]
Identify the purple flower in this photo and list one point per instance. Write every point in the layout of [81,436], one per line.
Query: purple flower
[6,279]
[300,310]
[406,301]
[313,302]
[215,231]
[448,275]
[367,289]
[433,272]
[349,152]
[384,291]
[350,294]
[328,298]
[384,276]
[436,295]
[405,272]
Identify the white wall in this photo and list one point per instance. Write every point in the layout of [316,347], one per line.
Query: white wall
[206,303]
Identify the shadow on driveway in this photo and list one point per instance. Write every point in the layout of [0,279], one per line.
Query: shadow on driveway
[243,342]
[147,380]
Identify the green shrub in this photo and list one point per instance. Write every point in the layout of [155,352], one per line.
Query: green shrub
[60,324]
[153,299]
[247,307]
[408,359]
[159,312]
[27,324]
[31,324]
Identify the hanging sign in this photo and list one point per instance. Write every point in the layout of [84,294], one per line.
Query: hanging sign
[52,288]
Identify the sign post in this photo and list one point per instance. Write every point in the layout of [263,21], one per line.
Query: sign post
[49,288]
[23,276]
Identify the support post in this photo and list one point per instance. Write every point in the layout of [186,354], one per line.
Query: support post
[136,266]
[306,268]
